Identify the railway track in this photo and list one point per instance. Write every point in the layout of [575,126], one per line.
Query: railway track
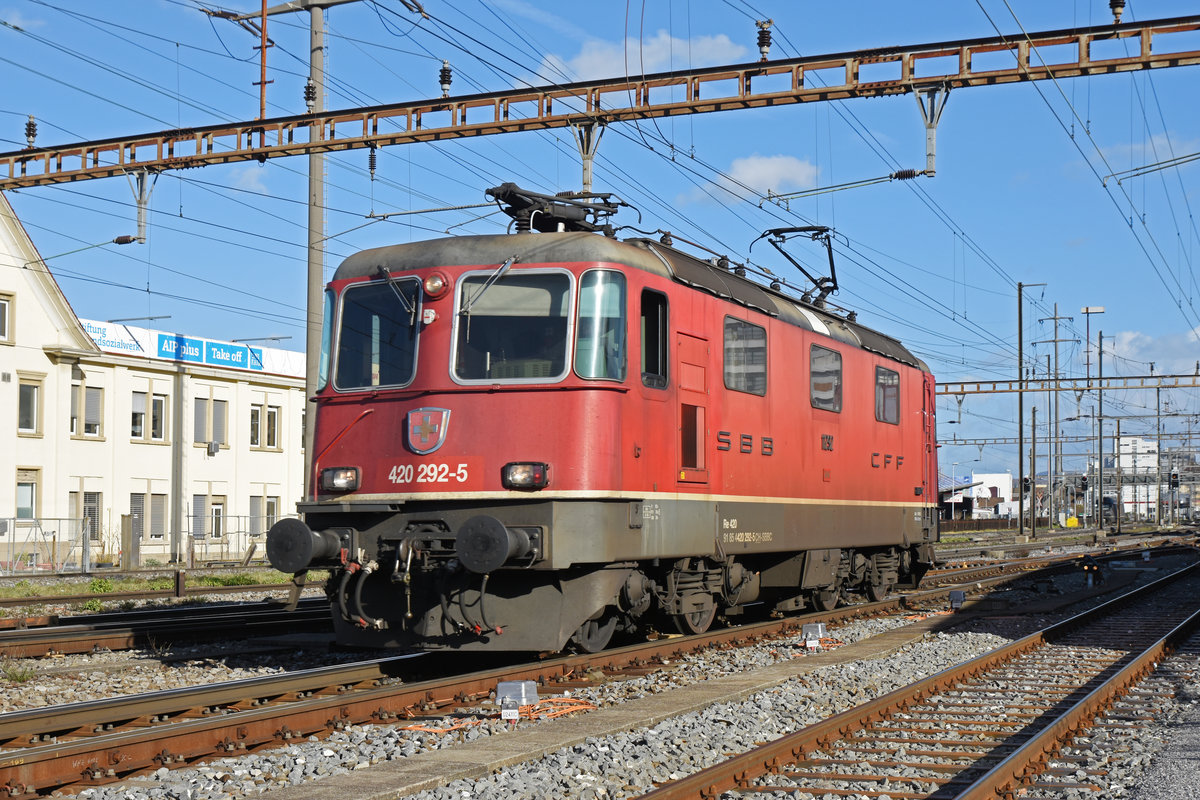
[72,746]
[992,727]
[125,630]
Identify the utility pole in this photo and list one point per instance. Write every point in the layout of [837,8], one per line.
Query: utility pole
[1120,488]
[1021,405]
[1033,478]
[1054,448]
[1051,402]
[1158,454]
[1100,434]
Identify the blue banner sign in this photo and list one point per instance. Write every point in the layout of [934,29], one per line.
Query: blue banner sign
[203,351]
[180,348]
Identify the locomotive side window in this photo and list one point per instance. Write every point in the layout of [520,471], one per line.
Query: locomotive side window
[887,395]
[600,330]
[513,328]
[745,357]
[825,378]
[378,341]
[326,341]
[654,339]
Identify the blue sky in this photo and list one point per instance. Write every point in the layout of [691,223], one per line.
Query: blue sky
[933,262]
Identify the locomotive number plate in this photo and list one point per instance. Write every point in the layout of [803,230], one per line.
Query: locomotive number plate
[431,473]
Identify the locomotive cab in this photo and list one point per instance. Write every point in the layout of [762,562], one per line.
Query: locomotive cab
[531,440]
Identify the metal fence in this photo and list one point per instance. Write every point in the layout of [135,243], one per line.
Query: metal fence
[45,544]
[229,538]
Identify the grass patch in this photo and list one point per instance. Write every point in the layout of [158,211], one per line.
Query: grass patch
[17,673]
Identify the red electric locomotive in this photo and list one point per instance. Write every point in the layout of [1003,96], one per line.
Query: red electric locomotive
[530,440]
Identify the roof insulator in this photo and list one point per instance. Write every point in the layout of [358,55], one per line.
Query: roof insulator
[445,76]
[31,130]
[764,37]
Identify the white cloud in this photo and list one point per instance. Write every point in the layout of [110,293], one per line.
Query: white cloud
[659,53]
[1172,353]
[250,178]
[750,177]
[19,20]
[538,14]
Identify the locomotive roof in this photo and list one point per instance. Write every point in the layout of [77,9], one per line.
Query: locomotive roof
[644,254]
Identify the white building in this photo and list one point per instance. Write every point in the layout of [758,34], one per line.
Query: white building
[992,495]
[1138,477]
[128,441]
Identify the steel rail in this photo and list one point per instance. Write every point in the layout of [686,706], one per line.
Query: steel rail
[1030,759]
[877,72]
[739,771]
[149,594]
[125,631]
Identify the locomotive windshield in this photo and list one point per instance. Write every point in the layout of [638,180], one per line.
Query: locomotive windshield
[600,333]
[377,344]
[515,329]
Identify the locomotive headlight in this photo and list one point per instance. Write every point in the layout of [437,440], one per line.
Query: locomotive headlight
[525,475]
[436,285]
[339,479]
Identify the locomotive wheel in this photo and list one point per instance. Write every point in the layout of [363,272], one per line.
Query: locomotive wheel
[696,621]
[595,634]
[824,599]
[878,591]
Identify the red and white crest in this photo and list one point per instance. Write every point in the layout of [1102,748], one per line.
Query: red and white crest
[427,429]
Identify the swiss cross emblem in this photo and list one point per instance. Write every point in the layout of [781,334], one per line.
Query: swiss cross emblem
[427,429]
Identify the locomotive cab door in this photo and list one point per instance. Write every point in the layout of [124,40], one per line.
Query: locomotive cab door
[693,406]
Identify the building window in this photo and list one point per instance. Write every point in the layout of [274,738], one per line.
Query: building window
[216,514]
[137,515]
[264,426]
[6,325]
[745,357]
[272,511]
[29,407]
[27,493]
[158,418]
[654,340]
[153,522]
[93,410]
[210,419]
[272,427]
[138,427]
[158,516]
[154,429]
[199,515]
[825,378]
[887,395]
[91,515]
[256,515]
[256,425]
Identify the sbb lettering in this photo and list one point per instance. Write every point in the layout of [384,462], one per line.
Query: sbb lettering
[766,444]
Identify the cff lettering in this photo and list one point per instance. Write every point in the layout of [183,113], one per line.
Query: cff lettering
[886,461]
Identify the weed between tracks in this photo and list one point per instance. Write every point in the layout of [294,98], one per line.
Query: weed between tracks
[16,673]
